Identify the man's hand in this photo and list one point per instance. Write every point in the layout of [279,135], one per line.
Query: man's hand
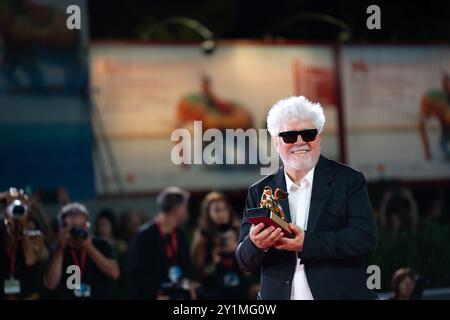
[294,244]
[87,243]
[63,238]
[266,238]
[108,266]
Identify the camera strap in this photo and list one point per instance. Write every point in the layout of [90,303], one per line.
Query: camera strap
[228,263]
[79,263]
[171,248]
[12,260]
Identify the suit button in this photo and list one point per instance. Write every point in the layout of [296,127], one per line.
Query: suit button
[288,282]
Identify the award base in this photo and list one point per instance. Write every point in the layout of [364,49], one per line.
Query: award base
[264,215]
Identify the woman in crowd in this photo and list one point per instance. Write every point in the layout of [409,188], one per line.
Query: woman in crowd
[403,284]
[129,223]
[213,246]
[106,228]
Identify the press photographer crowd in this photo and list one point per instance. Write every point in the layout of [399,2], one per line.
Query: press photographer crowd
[129,258]
[156,263]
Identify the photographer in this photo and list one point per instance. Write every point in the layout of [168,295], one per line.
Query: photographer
[76,246]
[20,248]
[159,266]
[213,248]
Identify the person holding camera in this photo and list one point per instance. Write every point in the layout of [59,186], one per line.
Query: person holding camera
[20,248]
[213,248]
[81,266]
[159,265]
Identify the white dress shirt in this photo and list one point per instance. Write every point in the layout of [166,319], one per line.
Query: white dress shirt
[299,200]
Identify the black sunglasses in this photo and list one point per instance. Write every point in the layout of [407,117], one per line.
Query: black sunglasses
[291,136]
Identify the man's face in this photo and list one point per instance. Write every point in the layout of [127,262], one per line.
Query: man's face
[76,220]
[300,155]
[181,213]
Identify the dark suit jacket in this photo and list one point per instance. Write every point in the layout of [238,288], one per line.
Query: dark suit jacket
[341,232]
[148,263]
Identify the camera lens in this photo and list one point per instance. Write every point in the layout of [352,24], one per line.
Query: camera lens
[17,209]
[79,233]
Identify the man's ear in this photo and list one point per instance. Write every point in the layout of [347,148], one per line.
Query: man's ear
[319,137]
[276,143]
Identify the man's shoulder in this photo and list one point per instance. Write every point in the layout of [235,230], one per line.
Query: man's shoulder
[266,180]
[344,172]
[342,168]
[146,231]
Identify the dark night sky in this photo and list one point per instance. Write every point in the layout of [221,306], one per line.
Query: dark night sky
[400,20]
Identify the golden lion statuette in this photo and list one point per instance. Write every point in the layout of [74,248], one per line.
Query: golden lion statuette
[270,211]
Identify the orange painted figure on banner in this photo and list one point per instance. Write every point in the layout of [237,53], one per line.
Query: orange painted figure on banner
[436,104]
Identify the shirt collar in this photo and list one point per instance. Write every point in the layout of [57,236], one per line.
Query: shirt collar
[308,179]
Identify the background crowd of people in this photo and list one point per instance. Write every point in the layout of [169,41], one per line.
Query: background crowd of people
[177,254]
[122,257]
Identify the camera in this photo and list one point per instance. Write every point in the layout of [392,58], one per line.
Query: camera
[225,238]
[176,291]
[17,203]
[17,209]
[224,234]
[79,233]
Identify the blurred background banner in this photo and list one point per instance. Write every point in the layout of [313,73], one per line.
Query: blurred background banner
[44,114]
[394,100]
[142,92]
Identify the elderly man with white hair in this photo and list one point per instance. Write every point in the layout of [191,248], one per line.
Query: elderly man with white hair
[328,210]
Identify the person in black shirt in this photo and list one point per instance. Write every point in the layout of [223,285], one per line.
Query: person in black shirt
[76,247]
[159,264]
[212,251]
[20,248]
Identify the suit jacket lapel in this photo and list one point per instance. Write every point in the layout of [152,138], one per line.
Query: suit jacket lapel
[321,191]
[279,181]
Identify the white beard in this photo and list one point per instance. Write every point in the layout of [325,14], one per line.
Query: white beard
[308,162]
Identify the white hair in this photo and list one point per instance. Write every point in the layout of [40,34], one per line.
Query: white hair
[294,109]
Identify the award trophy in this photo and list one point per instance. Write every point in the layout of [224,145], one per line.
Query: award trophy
[270,212]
